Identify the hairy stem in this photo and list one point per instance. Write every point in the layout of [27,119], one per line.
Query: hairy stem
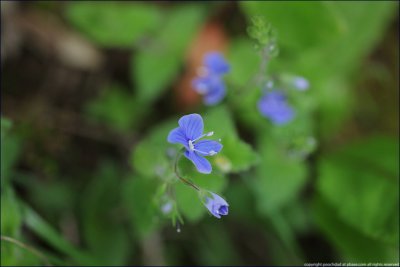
[185,181]
[26,247]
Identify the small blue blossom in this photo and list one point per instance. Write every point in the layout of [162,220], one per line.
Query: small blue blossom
[212,87]
[217,205]
[274,106]
[189,133]
[211,84]
[215,63]
[301,83]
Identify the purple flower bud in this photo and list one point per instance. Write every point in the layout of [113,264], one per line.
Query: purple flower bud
[217,205]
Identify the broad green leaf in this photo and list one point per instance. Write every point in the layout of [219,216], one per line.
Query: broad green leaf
[139,198]
[116,107]
[114,24]
[219,120]
[279,177]
[235,156]
[150,156]
[297,25]
[154,68]
[366,177]
[353,245]
[101,200]
[244,61]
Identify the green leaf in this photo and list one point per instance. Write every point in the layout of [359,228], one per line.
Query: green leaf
[150,156]
[154,68]
[11,216]
[116,108]
[235,156]
[9,149]
[353,245]
[244,61]
[219,120]
[296,23]
[101,227]
[114,24]
[39,226]
[366,177]
[139,198]
[279,177]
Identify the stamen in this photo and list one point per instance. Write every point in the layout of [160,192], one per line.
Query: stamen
[212,152]
[210,133]
[191,146]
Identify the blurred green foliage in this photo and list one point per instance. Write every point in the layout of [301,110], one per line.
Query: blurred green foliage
[347,195]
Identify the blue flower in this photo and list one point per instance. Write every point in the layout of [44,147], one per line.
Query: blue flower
[211,84]
[189,133]
[215,63]
[274,106]
[301,83]
[212,87]
[217,205]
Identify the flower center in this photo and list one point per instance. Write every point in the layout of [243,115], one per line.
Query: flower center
[191,145]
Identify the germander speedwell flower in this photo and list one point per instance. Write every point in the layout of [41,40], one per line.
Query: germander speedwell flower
[210,83]
[189,133]
[216,205]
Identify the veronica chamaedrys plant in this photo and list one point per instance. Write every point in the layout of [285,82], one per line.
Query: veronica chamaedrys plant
[189,133]
[210,83]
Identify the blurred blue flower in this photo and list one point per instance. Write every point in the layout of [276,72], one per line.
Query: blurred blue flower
[212,87]
[274,106]
[301,83]
[189,133]
[211,84]
[217,205]
[215,63]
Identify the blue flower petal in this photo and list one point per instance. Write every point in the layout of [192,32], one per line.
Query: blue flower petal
[216,63]
[207,146]
[201,163]
[274,106]
[178,136]
[201,85]
[192,125]
[216,94]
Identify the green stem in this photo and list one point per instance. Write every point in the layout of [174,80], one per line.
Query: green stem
[26,247]
[185,181]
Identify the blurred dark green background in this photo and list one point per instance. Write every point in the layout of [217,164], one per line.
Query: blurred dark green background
[90,90]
